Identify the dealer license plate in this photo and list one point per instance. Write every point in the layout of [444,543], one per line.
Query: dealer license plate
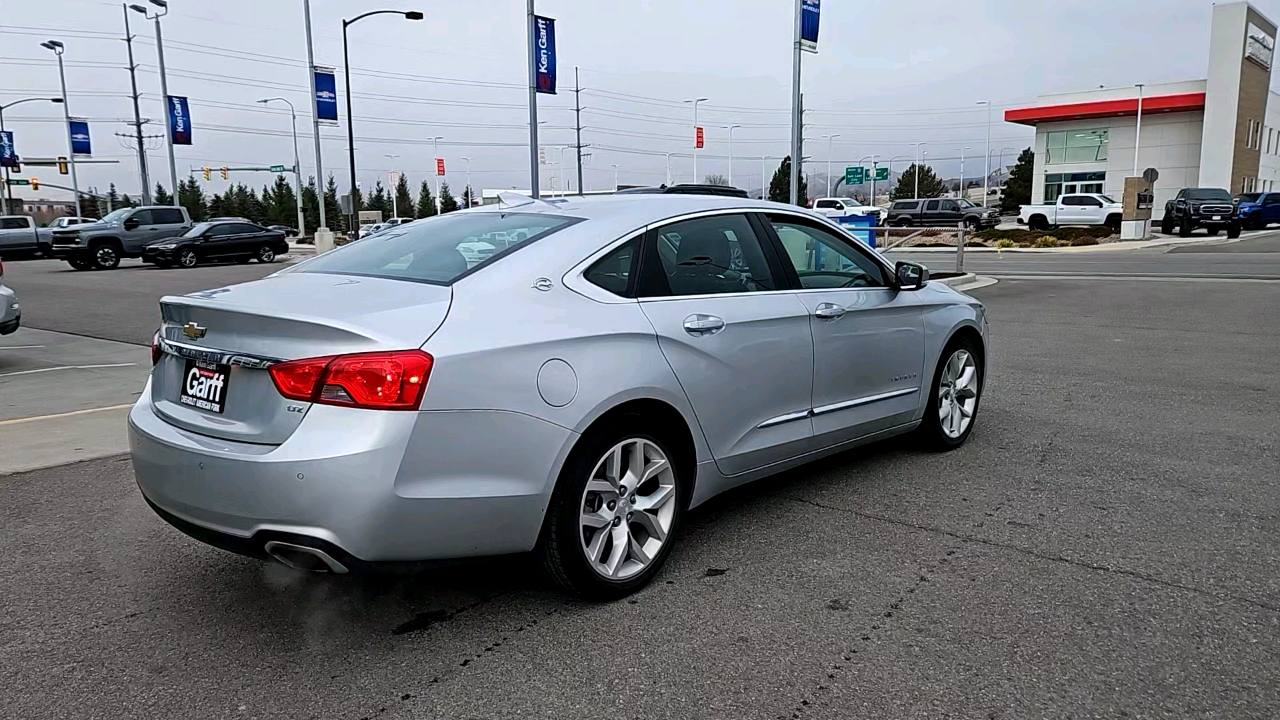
[204,386]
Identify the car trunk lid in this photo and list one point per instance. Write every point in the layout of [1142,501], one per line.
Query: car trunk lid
[213,377]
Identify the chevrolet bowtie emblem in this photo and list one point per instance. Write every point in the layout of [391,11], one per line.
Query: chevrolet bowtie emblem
[194,331]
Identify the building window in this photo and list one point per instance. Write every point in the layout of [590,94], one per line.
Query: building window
[1058,184]
[1077,146]
[1268,141]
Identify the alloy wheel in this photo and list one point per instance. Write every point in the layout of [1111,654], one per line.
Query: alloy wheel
[187,258]
[106,257]
[958,394]
[627,509]
[266,255]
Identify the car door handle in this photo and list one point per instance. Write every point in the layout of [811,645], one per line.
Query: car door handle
[828,311]
[703,324]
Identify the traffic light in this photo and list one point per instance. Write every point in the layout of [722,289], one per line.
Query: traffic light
[206,174]
[62,166]
[224,172]
[35,183]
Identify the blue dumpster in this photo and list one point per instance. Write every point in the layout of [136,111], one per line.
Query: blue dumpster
[853,222]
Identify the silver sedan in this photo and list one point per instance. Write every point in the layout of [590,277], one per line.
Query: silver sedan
[617,361]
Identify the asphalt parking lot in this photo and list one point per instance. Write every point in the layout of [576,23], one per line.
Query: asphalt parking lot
[1106,545]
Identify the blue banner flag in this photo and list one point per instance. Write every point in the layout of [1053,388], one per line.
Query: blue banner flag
[326,96]
[80,137]
[179,120]
[544,42]
[8,155]
[809,25]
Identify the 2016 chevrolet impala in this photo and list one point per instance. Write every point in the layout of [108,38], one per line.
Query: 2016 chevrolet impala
[574,393]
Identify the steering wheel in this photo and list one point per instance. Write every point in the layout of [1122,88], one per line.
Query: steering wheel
[854,280]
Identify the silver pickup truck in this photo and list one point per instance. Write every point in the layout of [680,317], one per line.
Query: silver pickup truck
[19,234]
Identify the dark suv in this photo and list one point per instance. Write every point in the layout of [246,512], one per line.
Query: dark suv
[944,212]
[1210,208]
[687,189]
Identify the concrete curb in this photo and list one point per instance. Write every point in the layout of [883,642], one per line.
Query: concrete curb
[967,281]
[1104,247]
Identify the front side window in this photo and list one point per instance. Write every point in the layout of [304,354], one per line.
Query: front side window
[824,260]
[116,215]
[712,256]
[950,206]
[142,217]
[438,250]
[13,224]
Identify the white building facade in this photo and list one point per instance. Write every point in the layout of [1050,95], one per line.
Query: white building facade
[1223,131]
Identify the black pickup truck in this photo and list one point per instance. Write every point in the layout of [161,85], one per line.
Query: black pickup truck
[1210,208]
[947,212]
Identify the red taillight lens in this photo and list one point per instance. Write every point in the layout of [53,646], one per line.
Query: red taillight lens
[1,268]
[156,352]
[376,381]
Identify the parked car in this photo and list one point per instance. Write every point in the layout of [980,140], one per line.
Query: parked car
[120,234]
[288,231]
[1073,209]
[942,212]
[1258,210]
[371,229]
[66,222]
[235,240]
[1210,208]
[10,309]
[848,207]
[393,401]
[19,234]
[686,189]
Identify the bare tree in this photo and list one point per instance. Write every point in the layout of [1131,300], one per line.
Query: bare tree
[716,180]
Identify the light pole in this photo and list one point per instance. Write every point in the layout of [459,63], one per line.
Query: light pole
[8,190]
[668,168]
[1000,167]
[467,191]
[916,194]
[764,177]
[615,177]
[695,134]
[58,49]
[323,236]
[1137,134]
[986,181]
[346,73]
[297,164]
[143,176]
[435,144]
[395,208]
[164,88]
[563,182]
[731,128]
[830,139]
[962,192]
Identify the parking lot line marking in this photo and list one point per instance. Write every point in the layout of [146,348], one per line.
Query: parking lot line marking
[73,413]
[1147,278]
[20,347]
[67,367]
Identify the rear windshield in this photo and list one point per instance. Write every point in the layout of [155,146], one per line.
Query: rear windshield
[1208,194]
[439,250]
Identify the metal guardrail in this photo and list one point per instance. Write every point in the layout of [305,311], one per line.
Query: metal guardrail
[884,236]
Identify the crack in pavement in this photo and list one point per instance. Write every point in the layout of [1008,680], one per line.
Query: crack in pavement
[1042,556]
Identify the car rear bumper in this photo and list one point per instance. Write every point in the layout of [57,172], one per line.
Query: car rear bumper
[365,486]
[10,311]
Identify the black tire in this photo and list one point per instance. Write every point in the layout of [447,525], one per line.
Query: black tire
[1113,223]
[972,225]
[1212,231]
[1233,230]
[187,258]
[1184,228]
[44,249]
[1038,222]
[931,433]
[78,263]
[561,546]
[104,257]
[1166,226]
[904,222]
[265,254]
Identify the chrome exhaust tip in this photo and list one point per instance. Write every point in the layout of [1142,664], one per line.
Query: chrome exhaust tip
[301,557]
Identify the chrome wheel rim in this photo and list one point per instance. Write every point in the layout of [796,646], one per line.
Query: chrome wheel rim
[627,509]
[106,255]
[187,259]
[958,394]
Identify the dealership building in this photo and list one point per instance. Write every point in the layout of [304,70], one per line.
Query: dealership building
[1220,131]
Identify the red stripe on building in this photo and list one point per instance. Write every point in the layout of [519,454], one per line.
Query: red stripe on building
[1105,108]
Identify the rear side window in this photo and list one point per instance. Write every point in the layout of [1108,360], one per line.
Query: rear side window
[13,224]
[713,255]
[438,250]
[613,271]
[931,205]
[906,205]
[1071,200]
[244,228]
[163,216]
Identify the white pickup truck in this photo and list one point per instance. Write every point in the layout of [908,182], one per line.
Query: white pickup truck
[1073,209]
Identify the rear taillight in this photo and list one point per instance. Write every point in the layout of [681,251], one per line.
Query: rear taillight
[1,268]
[376,381]
[156,351]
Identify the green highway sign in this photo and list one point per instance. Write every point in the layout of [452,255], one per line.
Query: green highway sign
[855,175]
[882,173]
[19,181]
[277,168]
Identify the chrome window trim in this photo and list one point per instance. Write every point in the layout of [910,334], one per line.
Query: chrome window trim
[577,281]
[217,357]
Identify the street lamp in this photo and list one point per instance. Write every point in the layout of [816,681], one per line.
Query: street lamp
[467,190]
[8,190]
[164,87]
[731,128]
[395,209]
[346,70]
[615,177]
[986,181]
[829,139]
[962,192]
[58,49]
[668,168]
[563,182]
[695,135]
[297,165]
[916,193]
[323,238]
[764,177]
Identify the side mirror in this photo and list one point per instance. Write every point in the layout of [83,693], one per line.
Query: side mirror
[131,224]
[911,276]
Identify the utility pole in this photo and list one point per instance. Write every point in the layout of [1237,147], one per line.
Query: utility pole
[164,90]
[57,48]
[577,109]
[143,176]
[323,236]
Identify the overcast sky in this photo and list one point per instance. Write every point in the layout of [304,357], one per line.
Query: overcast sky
[889,73]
